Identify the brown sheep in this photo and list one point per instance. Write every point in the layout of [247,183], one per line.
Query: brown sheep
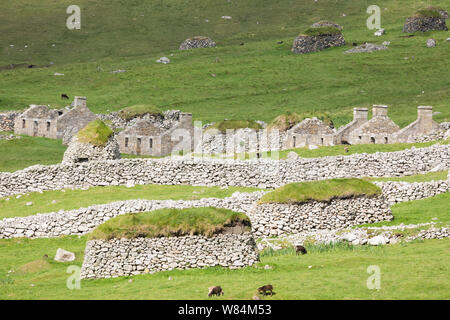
[265,290]
[300,249]
[217,290]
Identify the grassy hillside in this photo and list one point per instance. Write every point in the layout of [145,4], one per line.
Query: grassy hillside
[259,80]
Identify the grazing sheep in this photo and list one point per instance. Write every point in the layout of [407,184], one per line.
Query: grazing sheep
[265,290]
[300,249]
[217,290]
[64,96]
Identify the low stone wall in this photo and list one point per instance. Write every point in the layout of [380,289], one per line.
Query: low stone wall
[274,219]
[261,173]
[84,220]
[123,257]
[197,42]
[398,191]
[424,24]
[307,44]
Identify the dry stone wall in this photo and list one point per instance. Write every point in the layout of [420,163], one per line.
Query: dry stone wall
[398,191]
[84,220]
[122,257]
[267,220]
[7,120]
[262,173]
[275,219]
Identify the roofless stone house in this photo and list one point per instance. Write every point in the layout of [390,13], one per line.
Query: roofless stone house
[41,121]
[147,138]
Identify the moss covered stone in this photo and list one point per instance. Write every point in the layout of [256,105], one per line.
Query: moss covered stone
[206,221]
[96,133]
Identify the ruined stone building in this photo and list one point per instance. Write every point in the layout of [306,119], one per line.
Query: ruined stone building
[423,125]
[380,129]
[41,121]
[146,137]
[309,132]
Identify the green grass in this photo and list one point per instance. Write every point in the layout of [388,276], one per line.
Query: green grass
[320,31]
[286,121]
[429,12]
[225,125]
[259,80]
[21,153]
[138,110]
[419,211]
[74,199]
[436,176]
[206,221]
[96,133]
[335,273]
[323,190]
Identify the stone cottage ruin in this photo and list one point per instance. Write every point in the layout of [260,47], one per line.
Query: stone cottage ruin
[41,121]
[308,132]
[380,129]
[146,137]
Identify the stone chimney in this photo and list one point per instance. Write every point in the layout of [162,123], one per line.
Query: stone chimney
[186,118]
[360,114]
[379,110]
[425,118]
[79,102]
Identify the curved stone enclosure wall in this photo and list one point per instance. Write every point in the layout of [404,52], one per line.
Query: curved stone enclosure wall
[262,173]
[274,219]
[122,257]
[84,220]
[265,220]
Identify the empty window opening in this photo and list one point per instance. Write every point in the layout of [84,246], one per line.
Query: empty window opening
[295,141]
[48,125]
[372,139]
[81,160]
[151,143]
[321,141]
[126,142]
[23,123]
[386,140]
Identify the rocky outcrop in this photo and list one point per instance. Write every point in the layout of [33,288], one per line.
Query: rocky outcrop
[307,44]
[197,42]
[78,152]
[123,257]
